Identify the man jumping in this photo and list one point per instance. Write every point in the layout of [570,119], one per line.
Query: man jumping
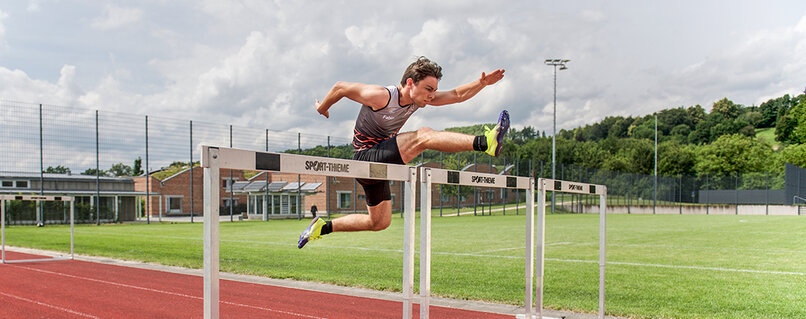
[384,110]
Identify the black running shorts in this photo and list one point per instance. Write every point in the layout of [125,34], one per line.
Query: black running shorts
[383,152]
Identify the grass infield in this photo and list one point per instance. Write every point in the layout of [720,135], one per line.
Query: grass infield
[659,266]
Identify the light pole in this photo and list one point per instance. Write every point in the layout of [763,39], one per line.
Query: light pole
[555,63]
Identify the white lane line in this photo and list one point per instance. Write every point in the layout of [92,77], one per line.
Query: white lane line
[770,272]
[163,292]
[49,306]
[502,249]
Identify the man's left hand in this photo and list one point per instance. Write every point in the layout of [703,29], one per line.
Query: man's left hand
[492,78]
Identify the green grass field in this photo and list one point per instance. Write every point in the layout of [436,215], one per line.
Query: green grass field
[659,266]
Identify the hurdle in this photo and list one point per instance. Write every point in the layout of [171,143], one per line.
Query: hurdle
[430,176]
[4,198]
[215,158]
[544,185]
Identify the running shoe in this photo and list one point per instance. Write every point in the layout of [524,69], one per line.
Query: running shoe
[313,232]
[495,137]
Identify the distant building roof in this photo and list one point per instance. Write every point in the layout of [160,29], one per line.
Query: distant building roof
[310,187]
[66,177]
[276,186]
[255,186]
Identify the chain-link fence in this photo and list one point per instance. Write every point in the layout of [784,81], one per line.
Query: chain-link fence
[47,139]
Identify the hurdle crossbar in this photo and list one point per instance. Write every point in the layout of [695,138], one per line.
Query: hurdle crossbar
[430,176]
[38,198]
[544,185]
[215,158]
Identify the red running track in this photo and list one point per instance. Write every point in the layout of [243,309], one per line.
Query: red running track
[81,289]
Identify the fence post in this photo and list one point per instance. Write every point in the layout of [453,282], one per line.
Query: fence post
[458,187]
[148,180]
[231,183]
[40,213]
[503,191]
[268,199]
[517,191]
[490,209]
[767,194]
[327,184]
[707,197]
[680,195]
[97,175]
[475,189]
[736,191]
[191,171]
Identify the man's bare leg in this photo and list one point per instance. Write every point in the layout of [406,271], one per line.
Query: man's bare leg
[379,218]
[411,144]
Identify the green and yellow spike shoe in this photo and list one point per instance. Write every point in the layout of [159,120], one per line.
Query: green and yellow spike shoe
[495,137]
[313,232]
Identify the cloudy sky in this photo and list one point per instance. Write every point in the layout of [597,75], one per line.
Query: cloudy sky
[261,63]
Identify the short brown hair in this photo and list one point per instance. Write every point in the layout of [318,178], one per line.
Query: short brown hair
[421,69]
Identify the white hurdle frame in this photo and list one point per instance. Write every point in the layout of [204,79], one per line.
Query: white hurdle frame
[430,176]
[4,198]
[215,158]
[543,185]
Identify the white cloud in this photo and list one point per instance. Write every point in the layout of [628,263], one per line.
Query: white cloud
[3,16]
[17,85]
[33,6]
[116,17]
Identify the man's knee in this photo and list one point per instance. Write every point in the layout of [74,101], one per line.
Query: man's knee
[380,216]
[382,224]
[423,134]
[424,131]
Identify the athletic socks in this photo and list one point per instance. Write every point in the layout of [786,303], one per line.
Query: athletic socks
[327,228]
[480,143]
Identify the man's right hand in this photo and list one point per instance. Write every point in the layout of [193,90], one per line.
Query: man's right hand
[322,109]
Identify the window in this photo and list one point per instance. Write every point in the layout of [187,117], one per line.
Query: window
[292,201]
[361,197]
[174,204]
[227,202]
[275,204]
[22,184]
[8,184]
[344,200]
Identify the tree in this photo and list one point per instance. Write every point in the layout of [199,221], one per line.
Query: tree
[94,172]
[695,114]
[57,170]
[675,159]
[620,127]
[793,154]
[734,154]
[798,113]
[772,109]
[137,171]
[727,108]
[120,169]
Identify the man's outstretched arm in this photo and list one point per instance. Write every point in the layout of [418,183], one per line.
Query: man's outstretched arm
[466,91]
[375,96]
